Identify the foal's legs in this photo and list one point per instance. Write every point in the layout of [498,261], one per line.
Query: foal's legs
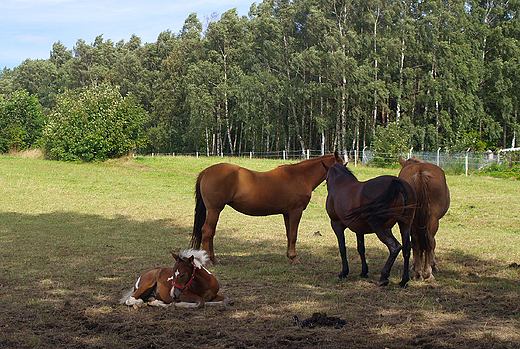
[292,220]
[208,232]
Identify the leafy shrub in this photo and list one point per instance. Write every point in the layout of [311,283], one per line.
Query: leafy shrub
[21,121]
[94,125]
[390,141]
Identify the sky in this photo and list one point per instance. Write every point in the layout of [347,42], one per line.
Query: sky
[29,28]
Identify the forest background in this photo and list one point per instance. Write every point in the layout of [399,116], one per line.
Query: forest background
[292,75]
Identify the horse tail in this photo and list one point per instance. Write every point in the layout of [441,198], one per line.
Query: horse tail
[379,210]
[200,215]
[126,296]
[420,222]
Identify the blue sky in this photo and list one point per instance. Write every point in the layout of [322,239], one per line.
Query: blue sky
[29,28]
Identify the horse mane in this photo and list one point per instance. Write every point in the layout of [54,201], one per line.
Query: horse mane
[306,161]
[200,257]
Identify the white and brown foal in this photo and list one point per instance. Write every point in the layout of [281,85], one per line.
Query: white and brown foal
[188,284]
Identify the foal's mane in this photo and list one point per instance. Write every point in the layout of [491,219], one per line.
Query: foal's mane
[200,257]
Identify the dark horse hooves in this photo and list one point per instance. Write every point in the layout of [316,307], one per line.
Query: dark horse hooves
[383,282]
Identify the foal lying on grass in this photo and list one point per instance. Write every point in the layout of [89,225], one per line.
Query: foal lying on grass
[188,284]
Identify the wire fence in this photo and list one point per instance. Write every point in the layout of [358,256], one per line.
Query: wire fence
[453,162]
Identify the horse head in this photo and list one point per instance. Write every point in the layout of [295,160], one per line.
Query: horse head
[183,274]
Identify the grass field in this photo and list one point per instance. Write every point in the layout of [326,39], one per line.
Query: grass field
[74,237]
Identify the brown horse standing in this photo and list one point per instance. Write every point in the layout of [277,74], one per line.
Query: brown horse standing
[433,197]
[368,207]
[187,284]
[284,190]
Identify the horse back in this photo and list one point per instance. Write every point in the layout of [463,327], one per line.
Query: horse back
[429,183]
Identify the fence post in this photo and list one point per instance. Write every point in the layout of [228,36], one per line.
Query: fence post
[438,154]
[410,153]
[197,153]
[308,154]
[250,154]
[467,151]
[284,155]
[355,157]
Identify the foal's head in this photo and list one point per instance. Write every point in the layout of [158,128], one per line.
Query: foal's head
[183,274]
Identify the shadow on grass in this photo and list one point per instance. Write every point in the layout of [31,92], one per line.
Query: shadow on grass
[62,273]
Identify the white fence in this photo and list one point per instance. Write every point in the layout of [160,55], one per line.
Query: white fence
[460,162]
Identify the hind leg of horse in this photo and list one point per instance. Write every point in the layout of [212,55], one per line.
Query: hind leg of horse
[394,247]
[429,255]
[433,228]
[361,251]
[292,220]
[417,258]
[208,233]
[339,230]
[405,229]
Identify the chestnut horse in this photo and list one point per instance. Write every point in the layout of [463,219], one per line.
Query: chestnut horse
[367,207]
[188,284]
[284,190]
[433,198]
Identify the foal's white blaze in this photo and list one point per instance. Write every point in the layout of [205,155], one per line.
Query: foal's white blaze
[176,273]
[170,278]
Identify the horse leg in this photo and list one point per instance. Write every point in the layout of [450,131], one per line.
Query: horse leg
[429,254]
[417,257]
[407,246]
[361,251]
[208,233]
[143,287]
[291,221]
[386,237]
[339,230]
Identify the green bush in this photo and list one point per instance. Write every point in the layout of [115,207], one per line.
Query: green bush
[94,125]
[20,121]
[389,141]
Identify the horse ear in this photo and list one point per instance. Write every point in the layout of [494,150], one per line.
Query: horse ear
[401,161]
[192,258]
[174,256]
[325,166]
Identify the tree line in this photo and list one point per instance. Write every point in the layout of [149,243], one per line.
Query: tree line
[299,74]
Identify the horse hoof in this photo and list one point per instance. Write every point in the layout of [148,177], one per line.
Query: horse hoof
[429,278]
[383,282]
[403,284]
[295,262]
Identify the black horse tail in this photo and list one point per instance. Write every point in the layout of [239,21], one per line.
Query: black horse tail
[420,222]
[200,215]
[379,211]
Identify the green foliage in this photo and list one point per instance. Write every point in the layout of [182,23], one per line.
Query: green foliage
[388,142]
[94,125]
[498,171]
[21,121]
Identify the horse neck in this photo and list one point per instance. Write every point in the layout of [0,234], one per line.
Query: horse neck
[315,173]
[202,277]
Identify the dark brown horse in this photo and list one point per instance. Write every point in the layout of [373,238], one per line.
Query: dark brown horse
[284,190]
[187,284]
[433,198]
[367,207]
